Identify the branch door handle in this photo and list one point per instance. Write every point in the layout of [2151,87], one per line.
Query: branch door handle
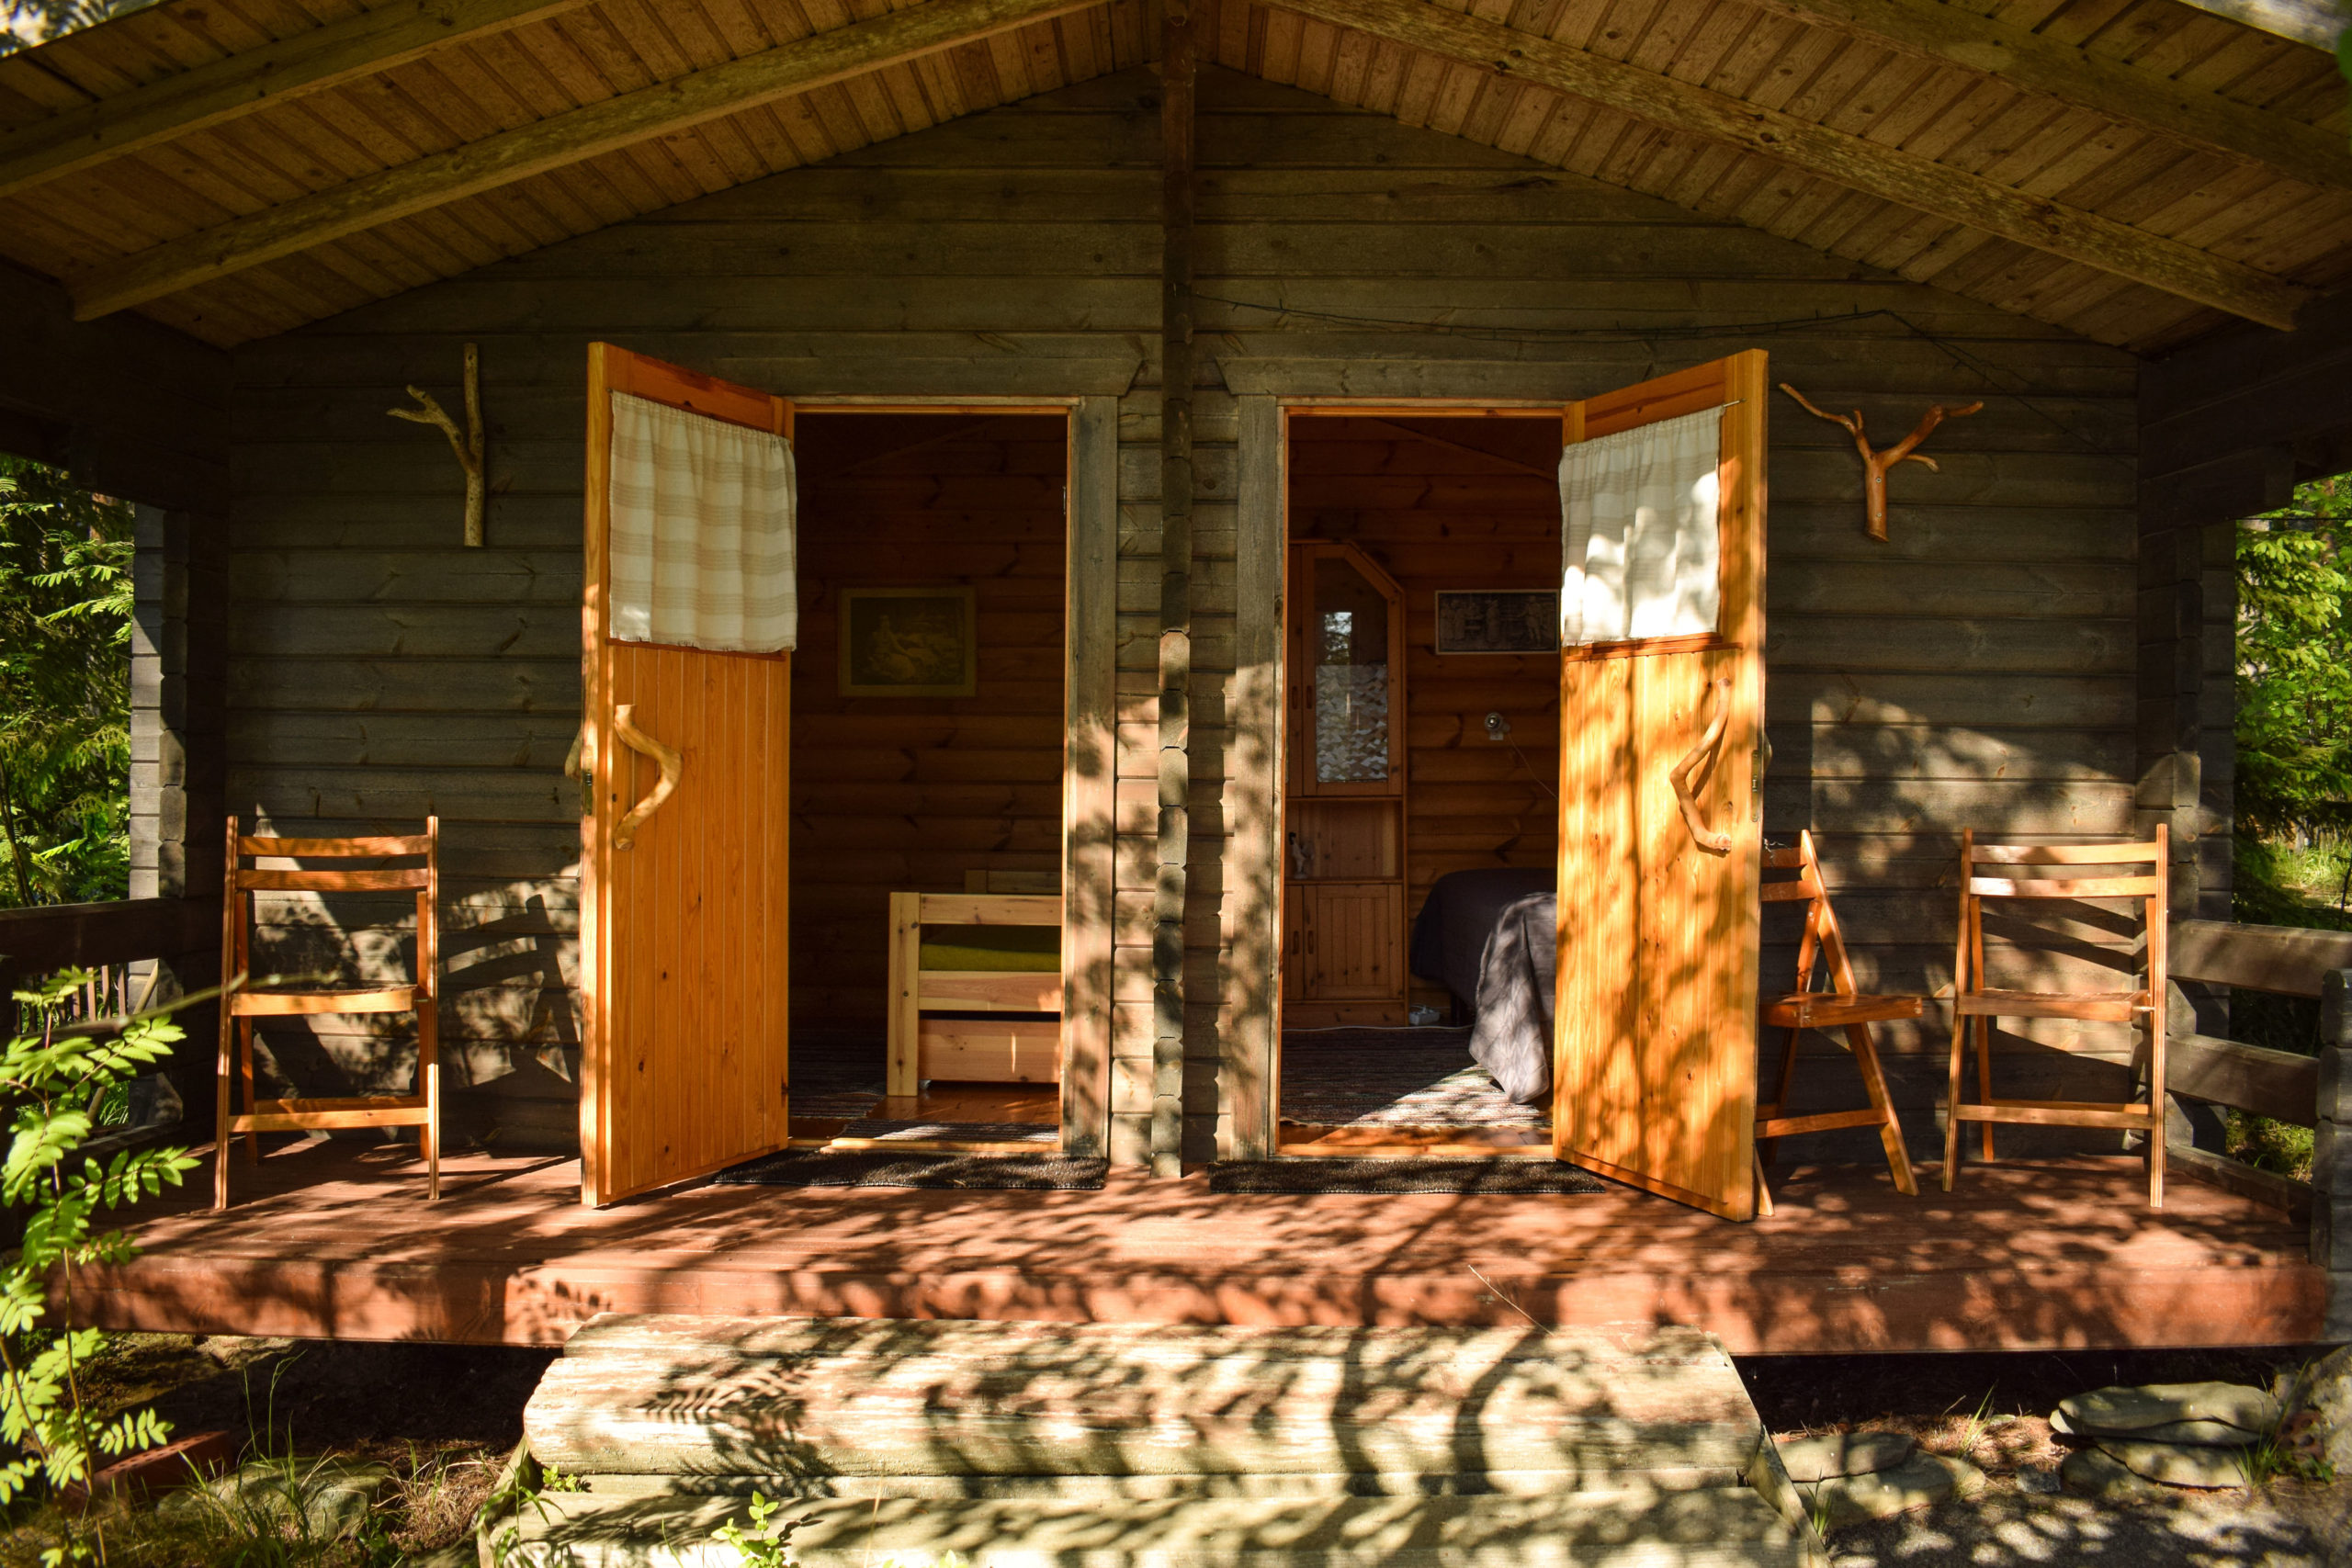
[1701,759]
[673,765]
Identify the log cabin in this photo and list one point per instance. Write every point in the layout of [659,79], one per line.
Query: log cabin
[1174,406]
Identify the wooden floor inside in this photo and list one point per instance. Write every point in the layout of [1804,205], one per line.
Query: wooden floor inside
[326,1241]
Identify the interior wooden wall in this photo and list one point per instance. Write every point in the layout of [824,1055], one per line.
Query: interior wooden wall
[906,793]
[1477,506]
[1975,669]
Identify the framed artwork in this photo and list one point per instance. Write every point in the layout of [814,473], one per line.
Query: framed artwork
[909,642]
[1497,620]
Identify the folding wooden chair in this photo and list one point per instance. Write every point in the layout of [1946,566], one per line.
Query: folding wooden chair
[421,1110]
[2136,872]
[1840,1008]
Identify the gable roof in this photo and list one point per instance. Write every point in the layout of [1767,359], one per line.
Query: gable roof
[236,168]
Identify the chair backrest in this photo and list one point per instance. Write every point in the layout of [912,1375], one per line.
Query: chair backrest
[2138,871]
[1823,938]
[422,877]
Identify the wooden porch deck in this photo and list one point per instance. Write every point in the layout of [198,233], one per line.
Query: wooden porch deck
[329,1243]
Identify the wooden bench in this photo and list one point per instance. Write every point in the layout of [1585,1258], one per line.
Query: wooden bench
[1011,1031]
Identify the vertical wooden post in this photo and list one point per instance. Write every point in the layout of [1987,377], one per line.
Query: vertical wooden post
[1178,72]
[2331,1153]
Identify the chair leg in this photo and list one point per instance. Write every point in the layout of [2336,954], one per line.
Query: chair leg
[221,1106]
[245,1072]
[1860,1040]
[1763,1193]
[1984,1083]
[1952,1103]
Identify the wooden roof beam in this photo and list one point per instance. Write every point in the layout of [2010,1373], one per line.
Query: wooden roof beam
[253,79]
[1874,168]
[1930,29]
[666,107]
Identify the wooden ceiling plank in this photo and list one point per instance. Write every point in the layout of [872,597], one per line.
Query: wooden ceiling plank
[1892,174]
[2138,95]
[633,117]
[240,83]
[2314,23]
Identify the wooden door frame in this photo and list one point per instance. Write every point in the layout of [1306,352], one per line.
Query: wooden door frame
[1089,711]
[1250,1049]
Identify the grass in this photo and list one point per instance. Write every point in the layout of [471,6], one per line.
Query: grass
[447,1414]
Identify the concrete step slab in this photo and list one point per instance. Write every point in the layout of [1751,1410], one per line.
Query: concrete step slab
[845,1398]
[1711,1527]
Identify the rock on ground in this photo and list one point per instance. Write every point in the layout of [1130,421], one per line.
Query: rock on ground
[2176,1412]
[1918,1481]
[2326,1389]
[315,1500]
[1833,1454]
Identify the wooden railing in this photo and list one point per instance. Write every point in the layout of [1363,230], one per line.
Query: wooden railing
[2304,1091]
[36,942]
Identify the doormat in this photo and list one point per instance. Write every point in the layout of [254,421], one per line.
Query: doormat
[1470,1178]
[885,1168]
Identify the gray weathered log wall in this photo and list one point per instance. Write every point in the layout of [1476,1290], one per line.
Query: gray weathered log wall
[1976,669]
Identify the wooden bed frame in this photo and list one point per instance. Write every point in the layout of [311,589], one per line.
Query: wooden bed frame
[1007,1050]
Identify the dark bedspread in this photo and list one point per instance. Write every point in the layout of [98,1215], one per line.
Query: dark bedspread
[1487,937]
[1517,992]
[1449,934]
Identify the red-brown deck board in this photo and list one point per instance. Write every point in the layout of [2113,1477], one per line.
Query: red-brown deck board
[325,1243]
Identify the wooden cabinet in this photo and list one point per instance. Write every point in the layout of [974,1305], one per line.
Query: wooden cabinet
[1343,873]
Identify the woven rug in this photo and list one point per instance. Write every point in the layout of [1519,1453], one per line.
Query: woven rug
[1470,1178]
[958,1131]
[879,1167]
[1394,1078]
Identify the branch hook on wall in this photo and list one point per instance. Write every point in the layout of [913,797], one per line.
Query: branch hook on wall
[1876,464]
[468,444]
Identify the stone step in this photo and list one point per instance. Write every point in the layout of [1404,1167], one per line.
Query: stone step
[656,1396]
[1636,1527]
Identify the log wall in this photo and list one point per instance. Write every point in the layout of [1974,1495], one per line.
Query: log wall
[1977,668]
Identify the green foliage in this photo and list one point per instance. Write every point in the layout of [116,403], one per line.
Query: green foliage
[764,1544]
[2294,667]
[37,21]
[65,601]
[55,1078]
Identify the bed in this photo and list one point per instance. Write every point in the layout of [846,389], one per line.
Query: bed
[1488,937]
[976,989]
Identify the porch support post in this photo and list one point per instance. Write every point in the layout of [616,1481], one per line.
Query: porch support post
[2331,1153]
[1178,71]
[178,671]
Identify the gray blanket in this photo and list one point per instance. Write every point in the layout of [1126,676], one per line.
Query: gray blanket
[1517,986]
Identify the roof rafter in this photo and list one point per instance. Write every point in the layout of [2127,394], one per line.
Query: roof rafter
[1930,29]
[701,95]
[253,79]
[1890,174]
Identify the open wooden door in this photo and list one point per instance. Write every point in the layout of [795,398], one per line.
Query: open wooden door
[684,752]
[1653,1060]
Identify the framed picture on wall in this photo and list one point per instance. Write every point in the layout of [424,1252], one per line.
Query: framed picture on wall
[909,642]
[1497,620]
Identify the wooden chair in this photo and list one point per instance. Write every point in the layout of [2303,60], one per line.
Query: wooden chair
[2092,873]
[421,1110]
[1840,1007]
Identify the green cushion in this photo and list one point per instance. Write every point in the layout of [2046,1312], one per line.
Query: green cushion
[1029,950]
